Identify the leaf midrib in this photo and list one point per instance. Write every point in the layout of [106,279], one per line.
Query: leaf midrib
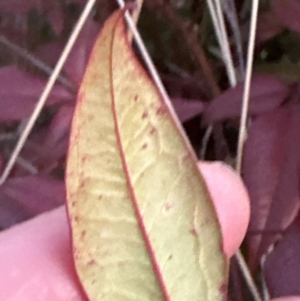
[155,265]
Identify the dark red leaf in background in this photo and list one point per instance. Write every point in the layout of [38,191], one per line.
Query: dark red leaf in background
[187,109]
[268,26]
[267,93]
[47,146]
[19,92]
[1,163]
[77,61]
[271,173]
[50,52]
[80,1]
[25,197]
[282,267]
[288,12]
[55,145]
[55,17]
[19,6]
[52,10]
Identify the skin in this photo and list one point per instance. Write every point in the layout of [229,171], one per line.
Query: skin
[35,255]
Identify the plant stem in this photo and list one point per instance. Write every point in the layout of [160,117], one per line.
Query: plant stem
[222,36]
[217,17]
[135,16]
[246,96]
[243,134]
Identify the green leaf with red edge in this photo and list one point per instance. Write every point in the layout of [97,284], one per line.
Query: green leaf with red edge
[143,224]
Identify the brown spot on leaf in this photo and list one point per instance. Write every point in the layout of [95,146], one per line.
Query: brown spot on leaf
[144,146]
[193,232]
[136,98]
[170,257]
[145,115]
[186,158]
[152,131]
[161,110]
[91,262]
[168,206]
[223,288]
[80,97]
[83,233]
[82,184]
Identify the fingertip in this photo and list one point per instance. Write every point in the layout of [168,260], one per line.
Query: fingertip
[231,201]
[35,256]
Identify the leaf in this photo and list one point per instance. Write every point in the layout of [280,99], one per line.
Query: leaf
[55,17]
[18,6]
[19,92]
[267,93]
[143,225]
[270,169]
[78,58]
[282,266]
[268,26]
[46,148]
[77,61]
[288,12]
[286,71]
[55,143]
[25,197]
[47,7]
[187,109]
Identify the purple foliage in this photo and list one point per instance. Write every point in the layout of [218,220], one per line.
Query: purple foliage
[55,144]
[287,11]
[187,109]
[19,92]
[20,6]
[268,26]
[271,163]
[51,9]
[267,93]
[271,173]
[282,266]
[50,52]
[24,197]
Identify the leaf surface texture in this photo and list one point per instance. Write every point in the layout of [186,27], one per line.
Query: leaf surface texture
[143,225]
